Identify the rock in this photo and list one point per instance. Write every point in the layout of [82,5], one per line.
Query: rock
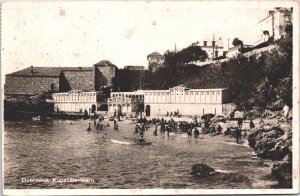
[264,146]
[201,170]
[283,173]
[277,104]
[229,109]
[207,116]
[288,158]
[269,144]
[239,114]
[252,140]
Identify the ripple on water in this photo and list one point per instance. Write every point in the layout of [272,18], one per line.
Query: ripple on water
[54,149]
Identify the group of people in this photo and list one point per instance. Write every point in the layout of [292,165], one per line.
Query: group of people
[175,114]
[195,131]
[140,130]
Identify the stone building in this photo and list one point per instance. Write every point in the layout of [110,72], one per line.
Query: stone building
[126,102]
[155,61]
[273,26]
[134,67]
[75,101]
[185,101]
[34,80]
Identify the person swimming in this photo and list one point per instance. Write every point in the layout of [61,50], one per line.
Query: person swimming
[89,128]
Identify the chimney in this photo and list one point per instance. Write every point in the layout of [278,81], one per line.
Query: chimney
[31,69]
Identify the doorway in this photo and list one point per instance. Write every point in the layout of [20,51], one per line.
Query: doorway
[147,110]
[93,108]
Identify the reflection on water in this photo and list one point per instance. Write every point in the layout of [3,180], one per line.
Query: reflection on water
[57,149]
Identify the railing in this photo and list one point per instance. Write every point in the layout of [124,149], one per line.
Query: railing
[122,100]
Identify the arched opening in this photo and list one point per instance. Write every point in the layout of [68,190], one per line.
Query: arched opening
[52,87]
[93,108]
[147,110]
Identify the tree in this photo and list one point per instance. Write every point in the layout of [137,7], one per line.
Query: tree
[184,56]
[236,42]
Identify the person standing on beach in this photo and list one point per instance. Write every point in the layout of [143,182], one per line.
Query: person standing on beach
[168,131]
[238,135]
[189,132]
[155,131]
[251,125]
[136,129]
[240,122]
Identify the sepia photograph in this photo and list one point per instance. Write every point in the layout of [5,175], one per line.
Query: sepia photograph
[150,97]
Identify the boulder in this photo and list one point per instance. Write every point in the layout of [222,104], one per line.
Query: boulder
[283,173]
[201,170]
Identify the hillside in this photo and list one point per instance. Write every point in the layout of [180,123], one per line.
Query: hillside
[261,80]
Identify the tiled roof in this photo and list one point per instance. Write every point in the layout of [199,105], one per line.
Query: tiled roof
[47,71]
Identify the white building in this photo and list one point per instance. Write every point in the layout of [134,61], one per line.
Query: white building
[126,102]
[186,101]
[239,49]
[274,24]
[75,101]
[214,48]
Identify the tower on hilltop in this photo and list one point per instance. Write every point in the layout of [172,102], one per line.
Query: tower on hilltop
[155,61]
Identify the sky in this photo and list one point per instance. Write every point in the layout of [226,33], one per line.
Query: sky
[123,32]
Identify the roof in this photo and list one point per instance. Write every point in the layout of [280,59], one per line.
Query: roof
[154,54]
[104,63]
[47,71]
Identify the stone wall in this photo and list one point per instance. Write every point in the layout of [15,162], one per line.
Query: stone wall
[30,85]
[104,75]
[79,80]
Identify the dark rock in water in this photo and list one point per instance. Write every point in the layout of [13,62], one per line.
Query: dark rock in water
[201,170]
[283,173]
